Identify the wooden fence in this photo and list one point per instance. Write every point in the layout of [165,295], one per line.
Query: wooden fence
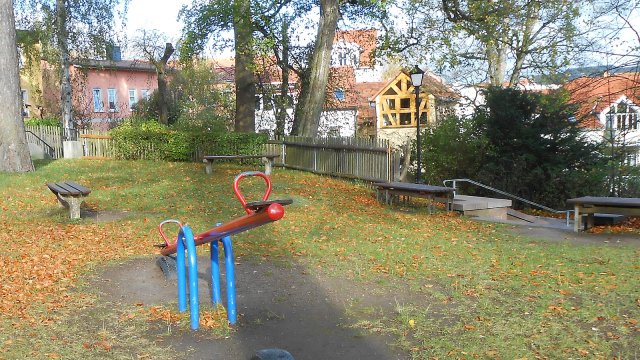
[96,144]
[49,138]
[358,158]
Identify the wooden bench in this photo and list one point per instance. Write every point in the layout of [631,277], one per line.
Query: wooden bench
[387,191]
[266,159]
[590,205]
[70,195]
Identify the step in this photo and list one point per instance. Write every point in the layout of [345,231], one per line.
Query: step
[522,216]
[468,203]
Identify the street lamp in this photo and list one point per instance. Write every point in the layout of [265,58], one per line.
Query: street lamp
[416,79]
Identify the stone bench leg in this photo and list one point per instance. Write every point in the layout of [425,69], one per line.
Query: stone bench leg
[268,165]
[73,203]
[208,166]
[577,219]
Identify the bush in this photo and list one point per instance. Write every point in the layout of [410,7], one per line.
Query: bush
[48,121]
[520,142]
[140,139]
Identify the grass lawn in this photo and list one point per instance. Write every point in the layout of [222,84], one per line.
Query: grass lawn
[478,292]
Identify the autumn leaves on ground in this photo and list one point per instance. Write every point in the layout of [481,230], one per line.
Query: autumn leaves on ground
[478,291]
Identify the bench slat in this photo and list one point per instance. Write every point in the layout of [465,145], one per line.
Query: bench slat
[83,190]
[68,188]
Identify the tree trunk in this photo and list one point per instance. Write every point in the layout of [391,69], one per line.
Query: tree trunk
[284,103]
[65,76]
[497,63]
[245,119]
[14,151]
[163,89]
[314,83]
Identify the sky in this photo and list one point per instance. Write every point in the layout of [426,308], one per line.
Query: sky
[154,14]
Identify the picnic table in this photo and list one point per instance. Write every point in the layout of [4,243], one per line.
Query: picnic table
[590,205]
[387,191]
[267,160]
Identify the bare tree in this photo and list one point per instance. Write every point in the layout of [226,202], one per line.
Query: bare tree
[154,48]
[14,152]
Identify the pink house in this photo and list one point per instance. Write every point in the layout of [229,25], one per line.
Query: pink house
[106,91]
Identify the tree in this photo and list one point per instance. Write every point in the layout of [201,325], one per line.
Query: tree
[534,149]
[204,19]
[80,27]
[503,39]
[14,152]
[148,43]
[314,81]
[310,63]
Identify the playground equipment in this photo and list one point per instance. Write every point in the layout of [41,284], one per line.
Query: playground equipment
[258,213]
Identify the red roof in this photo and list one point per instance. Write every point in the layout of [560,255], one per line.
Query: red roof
[592,95]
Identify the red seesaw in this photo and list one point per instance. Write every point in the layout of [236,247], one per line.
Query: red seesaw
[258,213]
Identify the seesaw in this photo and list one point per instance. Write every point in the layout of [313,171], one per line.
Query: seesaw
[258,213]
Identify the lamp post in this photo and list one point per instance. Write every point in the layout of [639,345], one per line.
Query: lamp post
[416,80]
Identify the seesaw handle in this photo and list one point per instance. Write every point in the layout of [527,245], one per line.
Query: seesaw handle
[239,195]
[166,241]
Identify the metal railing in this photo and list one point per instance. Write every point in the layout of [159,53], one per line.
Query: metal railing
[487,187]
[38,141]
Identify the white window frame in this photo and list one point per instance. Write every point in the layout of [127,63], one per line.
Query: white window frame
[145,94]
[98,103]
[133,98]
[112,99]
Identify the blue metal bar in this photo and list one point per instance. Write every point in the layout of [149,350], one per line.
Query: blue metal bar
[194,305]
[215,272]
[232,313]
[181,272]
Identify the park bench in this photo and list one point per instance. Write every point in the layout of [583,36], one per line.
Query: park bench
[267,160]
[387,191]
[70,195]
[590,205]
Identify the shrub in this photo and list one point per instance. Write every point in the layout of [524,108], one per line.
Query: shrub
[48,121]
[140,139]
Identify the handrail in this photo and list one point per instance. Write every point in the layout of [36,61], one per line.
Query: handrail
[453,181]
[50,150]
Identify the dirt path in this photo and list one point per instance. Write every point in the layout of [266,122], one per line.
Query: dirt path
[279,307]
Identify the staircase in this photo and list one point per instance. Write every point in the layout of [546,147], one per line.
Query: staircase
[493,209]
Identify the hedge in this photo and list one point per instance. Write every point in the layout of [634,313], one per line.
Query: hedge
[153,141]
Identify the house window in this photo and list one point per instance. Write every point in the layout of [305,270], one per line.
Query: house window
[25,103]
[98,105]
[334,131]
[145,94]
[133,98]
[111,98]
[258,101]
[632,159]
[342,58]
[339,93]
[622,117]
